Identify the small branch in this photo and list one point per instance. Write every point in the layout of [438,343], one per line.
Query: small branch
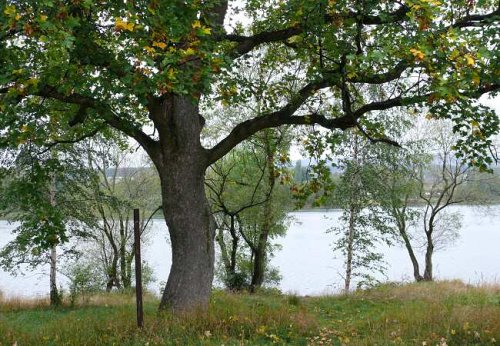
[49,146]
[377,140]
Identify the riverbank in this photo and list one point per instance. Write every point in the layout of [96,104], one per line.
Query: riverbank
[444,313]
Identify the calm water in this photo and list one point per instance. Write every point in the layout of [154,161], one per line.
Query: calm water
[306,261]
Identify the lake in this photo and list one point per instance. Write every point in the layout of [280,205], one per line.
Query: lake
[306,261]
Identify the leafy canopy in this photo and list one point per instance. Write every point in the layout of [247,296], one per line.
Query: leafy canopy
[83,65]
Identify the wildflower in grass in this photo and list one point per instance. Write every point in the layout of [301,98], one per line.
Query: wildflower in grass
[261,330]
[442,342]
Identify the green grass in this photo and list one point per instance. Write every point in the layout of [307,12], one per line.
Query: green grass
[444,313]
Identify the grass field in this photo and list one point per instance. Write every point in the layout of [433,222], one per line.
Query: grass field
[444,313]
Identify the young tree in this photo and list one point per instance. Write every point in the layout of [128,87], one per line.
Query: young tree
[361,225]
[128,64]
[427,171]
[396,191]
[44,193]
[438,191]
[248,204]
[121,186]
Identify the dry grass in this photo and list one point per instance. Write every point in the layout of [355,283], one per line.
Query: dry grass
[429,291]
[17,304]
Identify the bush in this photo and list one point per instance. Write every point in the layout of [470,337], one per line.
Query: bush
[85,279]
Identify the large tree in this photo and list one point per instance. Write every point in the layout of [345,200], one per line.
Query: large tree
[143,67]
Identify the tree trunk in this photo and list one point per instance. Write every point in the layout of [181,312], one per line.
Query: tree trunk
[112,274]
[181,162]
[187,215]
[428,275]
[234,246]
[411,253]
[223,251]
[259,261]
[350,249]
[260,253]
[54,294]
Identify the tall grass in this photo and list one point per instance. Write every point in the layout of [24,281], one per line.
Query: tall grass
[445,313]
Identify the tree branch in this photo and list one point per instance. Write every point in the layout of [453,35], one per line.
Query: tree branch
[285,116]
[476,19]
[110,116]
[246,43]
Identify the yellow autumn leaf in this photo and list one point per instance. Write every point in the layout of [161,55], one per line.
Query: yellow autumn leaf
[32,81]
[417,54]
[171,73]
[25,128]
[196,24]
[189,51]
[454,54]
[43,18]
[295,39]
[433,2]
[150,49]
[10,10]
[470,60]
[476,80]
[18,16]
[161,45]
[123,25]
[206,31]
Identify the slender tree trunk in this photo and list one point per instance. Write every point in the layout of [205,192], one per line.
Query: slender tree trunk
[259,261]
[234,246]
[223,250]
[260,258]
[411,253]
[350,249]
[428,275]
[112,274]
[181,162]
[355,186]
[54,294]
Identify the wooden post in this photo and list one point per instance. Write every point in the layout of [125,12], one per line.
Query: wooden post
[138,271]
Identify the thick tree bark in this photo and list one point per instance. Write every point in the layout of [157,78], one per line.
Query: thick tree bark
[181,162]
[187,215]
